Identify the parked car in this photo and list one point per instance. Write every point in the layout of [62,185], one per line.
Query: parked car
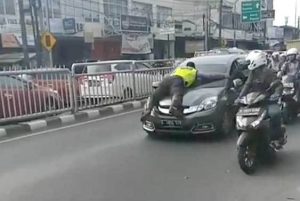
[20,97]
[208,108]
[55,80]
[117,81]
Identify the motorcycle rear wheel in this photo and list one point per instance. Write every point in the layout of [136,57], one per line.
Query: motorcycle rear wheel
[247,159]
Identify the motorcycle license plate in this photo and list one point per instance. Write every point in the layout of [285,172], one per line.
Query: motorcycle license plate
[288,85]
[171,123]
[249,111]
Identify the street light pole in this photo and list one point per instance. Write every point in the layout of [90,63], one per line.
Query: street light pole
[233,23]
[220,22]
[24,34]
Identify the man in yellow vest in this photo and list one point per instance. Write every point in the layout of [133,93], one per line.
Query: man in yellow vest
[175,85]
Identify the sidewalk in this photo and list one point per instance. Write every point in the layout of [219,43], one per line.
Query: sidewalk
[65,119]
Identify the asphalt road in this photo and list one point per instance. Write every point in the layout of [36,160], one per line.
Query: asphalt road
[113,160]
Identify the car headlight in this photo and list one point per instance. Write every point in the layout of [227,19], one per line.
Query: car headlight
[207,104]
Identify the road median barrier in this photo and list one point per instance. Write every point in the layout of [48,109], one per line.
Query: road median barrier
[66,119]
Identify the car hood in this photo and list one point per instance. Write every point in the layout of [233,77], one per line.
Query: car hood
[195,96]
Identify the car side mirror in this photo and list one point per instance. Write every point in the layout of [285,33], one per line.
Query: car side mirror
[237,83]
[155,85]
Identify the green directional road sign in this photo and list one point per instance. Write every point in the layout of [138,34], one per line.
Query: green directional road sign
[251,11]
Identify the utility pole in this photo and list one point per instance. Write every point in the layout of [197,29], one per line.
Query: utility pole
[220,22]
[35,5]
[296,4]
[24,34]
[206,18]
[233,23]
[49,29]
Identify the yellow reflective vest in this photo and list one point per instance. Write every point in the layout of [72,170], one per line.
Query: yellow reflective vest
[188,74]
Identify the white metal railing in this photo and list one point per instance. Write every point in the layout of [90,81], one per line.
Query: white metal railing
[34,93]
[38,92]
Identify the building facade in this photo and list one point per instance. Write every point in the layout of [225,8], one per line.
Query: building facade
[99,29]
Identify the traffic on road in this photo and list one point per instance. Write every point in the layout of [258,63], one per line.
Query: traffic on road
[214,97]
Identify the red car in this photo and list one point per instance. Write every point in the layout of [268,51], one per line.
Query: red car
[19,97]
[57,81]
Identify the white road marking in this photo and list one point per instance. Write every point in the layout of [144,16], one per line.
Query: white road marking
[69,126]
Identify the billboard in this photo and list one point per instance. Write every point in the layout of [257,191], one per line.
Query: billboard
[134,24]
[136,43]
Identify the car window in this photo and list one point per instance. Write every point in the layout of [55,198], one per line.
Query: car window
[92,69]
[120,67]
[8,82]
[208,68]
[48,76]
[140,66]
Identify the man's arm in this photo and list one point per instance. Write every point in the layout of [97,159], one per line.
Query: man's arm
[207,78]
[247,86]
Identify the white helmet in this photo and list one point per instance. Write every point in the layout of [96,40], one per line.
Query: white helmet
[275,54]
[252,53]
[257,59]
[292,51]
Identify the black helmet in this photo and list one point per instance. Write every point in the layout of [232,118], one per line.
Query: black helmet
[191,64]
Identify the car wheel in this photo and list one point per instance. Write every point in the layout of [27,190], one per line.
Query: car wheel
[128,93]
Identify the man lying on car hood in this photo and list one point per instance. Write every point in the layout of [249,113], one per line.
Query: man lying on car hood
[175,85]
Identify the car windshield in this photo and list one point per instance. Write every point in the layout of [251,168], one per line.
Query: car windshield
[98,69]
[212,68]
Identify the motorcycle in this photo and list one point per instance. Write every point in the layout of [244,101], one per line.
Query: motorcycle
[254,130]
[290,106]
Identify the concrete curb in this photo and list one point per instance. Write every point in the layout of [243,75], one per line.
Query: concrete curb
[57,121]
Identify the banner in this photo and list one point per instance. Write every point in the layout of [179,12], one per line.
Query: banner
[134,23]
[9,40]
[135,43]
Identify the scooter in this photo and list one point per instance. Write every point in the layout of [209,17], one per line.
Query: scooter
[290,105]
[254,130]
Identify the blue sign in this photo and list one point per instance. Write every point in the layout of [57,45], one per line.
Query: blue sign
[69,25]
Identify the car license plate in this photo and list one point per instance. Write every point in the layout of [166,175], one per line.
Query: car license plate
[171,123]
[249,111]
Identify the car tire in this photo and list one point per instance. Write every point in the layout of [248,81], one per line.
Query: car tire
[127,94]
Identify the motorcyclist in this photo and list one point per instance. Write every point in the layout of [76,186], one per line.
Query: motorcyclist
[262,79]
[275,62]
[175,85]
[291,67]
[282,60]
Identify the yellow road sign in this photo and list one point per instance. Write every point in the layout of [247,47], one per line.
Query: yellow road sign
[48,41]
